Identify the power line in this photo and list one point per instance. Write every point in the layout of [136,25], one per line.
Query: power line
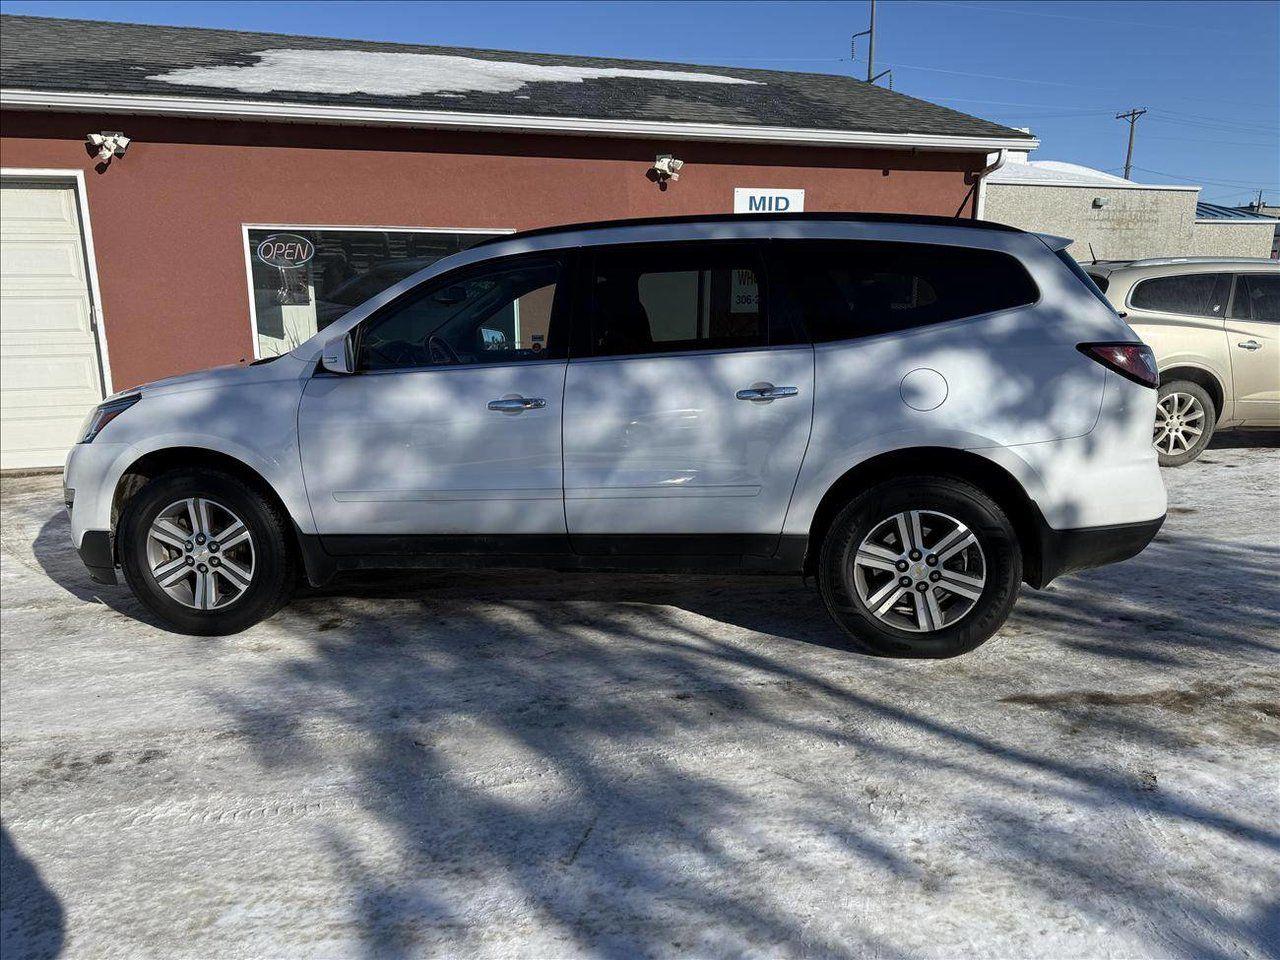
[1227,143]
[1228,197]
[1248,184]
[1005,9]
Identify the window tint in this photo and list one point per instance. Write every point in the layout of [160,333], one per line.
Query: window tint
[654,300]
[1093,284]
[496,314]
[857,289]
[1257,297]
[1100,281]
[1195,294]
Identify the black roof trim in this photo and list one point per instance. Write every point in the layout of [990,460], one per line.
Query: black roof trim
[918,219]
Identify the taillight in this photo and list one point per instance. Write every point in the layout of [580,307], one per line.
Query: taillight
[1134,361]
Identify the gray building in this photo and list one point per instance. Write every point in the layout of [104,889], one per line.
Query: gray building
[1264,210]
[1111,218]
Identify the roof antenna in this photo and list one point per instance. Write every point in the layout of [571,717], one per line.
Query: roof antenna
[1092,254]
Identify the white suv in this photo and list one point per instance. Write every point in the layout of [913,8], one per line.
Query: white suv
[923,413]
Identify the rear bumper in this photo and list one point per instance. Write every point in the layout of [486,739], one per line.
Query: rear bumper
[97,556]
[1065,551]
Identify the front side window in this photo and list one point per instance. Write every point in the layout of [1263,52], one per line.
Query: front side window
[1193,294]
[497,313]
[859,289]
[304,279]
[658,300]
[1257,297]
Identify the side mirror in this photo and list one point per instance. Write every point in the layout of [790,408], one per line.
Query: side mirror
[339,355]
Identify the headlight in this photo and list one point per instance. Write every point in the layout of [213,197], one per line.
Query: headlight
[104,413]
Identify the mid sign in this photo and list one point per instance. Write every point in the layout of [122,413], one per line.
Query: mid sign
[766,200]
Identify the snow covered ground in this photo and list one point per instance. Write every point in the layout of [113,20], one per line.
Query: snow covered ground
[514,764]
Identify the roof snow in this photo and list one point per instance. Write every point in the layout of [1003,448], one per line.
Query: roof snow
[1060,173]
[404,74]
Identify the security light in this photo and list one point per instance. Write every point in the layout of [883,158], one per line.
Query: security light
[110,144]
[667,167]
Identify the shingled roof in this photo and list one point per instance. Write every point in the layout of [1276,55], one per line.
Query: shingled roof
[77,64]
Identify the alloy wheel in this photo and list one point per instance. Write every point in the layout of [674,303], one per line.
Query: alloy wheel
[1179,423]
[919,571]
[201,554]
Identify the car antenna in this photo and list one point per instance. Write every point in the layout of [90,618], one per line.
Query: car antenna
[1092,254]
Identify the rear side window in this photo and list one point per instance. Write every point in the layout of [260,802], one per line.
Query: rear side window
[1193,294]
[1257,297]
[651,299]
[860,289]
[1096,286]
[1100,282]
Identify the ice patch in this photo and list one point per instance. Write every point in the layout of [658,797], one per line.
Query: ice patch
[403,74]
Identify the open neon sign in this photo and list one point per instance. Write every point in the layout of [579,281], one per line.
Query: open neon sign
[286,251]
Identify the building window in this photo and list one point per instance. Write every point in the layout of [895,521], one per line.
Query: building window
[304,278]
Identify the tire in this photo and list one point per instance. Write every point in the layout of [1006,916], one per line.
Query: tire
[958,624]
[1196,408]
[228,606]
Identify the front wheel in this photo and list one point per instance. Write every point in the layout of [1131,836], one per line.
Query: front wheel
[1185,418]
[920,567]
[206,554]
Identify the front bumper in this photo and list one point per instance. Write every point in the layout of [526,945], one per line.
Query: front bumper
[1065,551]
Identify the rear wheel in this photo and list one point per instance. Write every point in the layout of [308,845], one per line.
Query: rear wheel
[205,553]
[1185,418]
[920,567]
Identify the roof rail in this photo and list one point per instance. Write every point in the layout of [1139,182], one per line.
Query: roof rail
[908,218]
[1165,261]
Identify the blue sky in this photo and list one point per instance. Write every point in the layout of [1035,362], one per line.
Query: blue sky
[1209,72]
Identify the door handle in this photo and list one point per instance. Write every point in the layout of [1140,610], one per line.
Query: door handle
[517,404]
[1249,345]
[765,392]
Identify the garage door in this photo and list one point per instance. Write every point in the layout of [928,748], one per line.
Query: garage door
[49,372]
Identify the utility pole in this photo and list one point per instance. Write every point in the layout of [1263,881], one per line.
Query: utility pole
[870,34]
[871,45]
[1132,116]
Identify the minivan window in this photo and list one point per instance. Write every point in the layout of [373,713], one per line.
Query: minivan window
[494,314]
[1193,294]
[659,300]
[1257,297]
[859,289]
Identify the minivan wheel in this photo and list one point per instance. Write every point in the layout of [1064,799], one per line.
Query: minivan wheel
[920,567]
[1185,419]
[206,554]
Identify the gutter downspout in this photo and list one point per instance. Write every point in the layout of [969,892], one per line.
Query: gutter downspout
[979,203]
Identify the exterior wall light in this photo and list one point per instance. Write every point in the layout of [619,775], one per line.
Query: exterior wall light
[666,167]
[108,144]
[1099,202]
